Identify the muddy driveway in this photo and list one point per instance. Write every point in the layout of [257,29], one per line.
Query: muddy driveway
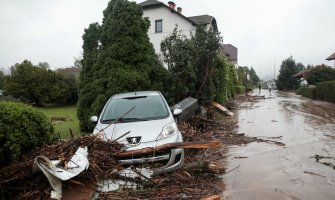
[302,169]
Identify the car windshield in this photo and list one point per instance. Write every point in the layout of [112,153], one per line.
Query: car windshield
[145,108]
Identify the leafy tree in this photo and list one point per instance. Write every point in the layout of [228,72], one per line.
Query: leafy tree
[177,50]
[43,65]
[117,57]
[40,85]
[253,76]
[29,83]
[64,89]
[300,66]
[243,72]
[206,46]
[309,66]
[241,75]
[191,64]
[320,73]
[286,80]
[225,79]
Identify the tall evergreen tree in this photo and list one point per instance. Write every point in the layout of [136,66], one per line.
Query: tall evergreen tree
[87,93]
[286,80]
[253,76]
[122,58]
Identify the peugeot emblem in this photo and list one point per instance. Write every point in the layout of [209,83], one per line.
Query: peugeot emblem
[134,140]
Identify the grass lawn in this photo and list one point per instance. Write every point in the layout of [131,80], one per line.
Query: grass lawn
[69,113]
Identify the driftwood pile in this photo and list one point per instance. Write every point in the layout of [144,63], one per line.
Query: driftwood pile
[18,182]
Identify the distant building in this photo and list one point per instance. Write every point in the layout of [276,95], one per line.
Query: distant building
[302,76]
[231,52]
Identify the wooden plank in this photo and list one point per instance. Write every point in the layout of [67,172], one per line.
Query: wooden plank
[223,109]
[165,147]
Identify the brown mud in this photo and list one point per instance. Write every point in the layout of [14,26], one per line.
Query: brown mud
[302,169]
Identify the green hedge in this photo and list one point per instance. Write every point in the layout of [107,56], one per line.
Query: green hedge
[240,89]
[307,92]
[22,128]
[326,91]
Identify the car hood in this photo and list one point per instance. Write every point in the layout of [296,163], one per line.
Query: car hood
[147,130]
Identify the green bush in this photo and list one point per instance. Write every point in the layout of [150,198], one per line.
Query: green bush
[320,73]
[326,91]
[249,89]
[240,89]
[22,128]
[307,92]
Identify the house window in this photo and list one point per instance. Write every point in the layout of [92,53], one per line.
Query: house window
[159,26]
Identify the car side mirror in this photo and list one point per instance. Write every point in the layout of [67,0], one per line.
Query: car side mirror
[94,119]
[177,111]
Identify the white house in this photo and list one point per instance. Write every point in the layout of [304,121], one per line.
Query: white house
[164,18]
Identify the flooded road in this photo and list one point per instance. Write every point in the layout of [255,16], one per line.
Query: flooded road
[302,169]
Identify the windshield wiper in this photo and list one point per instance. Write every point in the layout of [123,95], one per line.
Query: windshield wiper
[113,120]
[122,120]
[131,119]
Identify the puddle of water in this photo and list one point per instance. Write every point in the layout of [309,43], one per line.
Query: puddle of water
[268,171]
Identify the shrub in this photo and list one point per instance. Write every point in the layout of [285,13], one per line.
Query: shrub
[326,91]
[320,73]
[22,128]
[240,89]
[249,89]
[307,92]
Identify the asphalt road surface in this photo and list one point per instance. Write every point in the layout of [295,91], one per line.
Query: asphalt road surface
[302,169]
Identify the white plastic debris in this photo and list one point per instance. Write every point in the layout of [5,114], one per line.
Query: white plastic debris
[55,175]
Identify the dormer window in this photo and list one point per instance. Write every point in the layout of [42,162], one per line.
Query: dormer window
[159,26]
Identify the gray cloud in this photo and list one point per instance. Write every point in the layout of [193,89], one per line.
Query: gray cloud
[265,31]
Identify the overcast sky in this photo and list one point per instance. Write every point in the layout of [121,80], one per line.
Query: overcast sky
[264,31]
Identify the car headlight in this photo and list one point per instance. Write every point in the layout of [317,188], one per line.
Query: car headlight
[168,130]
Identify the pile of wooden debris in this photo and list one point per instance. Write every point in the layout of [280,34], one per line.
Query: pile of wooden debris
[194,181]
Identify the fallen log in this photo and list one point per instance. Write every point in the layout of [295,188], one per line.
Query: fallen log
[165,147]
[223,109]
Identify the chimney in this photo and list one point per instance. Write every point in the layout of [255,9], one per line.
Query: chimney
[179,9]
[172,5]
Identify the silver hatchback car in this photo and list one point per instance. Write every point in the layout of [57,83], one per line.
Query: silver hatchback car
[150,123]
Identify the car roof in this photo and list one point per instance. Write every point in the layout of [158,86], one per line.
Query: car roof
[134,94]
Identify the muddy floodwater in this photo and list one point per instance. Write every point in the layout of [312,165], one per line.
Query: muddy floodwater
[302,169]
